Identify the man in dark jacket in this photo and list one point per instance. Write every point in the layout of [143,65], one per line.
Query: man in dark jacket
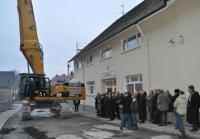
[76,103]
[142,106]
[126,110]
[193,108]
[96,103]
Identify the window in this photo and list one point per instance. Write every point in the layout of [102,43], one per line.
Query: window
[90,60]
[77,64]
[27,2]
[133,83]
[90,85]
[131,42]
[106,53]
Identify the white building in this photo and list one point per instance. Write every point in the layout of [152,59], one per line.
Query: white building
[155,45]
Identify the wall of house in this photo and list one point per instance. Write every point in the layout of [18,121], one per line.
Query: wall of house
[174,65]
[121,64]
[171,65]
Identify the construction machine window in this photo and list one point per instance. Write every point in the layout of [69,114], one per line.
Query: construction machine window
[47,84]
[27,2]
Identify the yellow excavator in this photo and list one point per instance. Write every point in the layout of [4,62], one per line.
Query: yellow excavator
[35,89]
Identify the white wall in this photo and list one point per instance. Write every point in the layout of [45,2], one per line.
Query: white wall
[170,67]
[174,66]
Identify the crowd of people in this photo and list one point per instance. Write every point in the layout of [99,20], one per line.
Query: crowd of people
[132,108]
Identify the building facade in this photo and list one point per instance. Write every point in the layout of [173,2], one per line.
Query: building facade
[155,45]
[9,82]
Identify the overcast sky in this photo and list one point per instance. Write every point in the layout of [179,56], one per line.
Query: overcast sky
[60,24]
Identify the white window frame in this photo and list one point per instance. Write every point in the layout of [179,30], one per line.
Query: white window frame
[91,84]
[139,81]
[127,47]
[103,53]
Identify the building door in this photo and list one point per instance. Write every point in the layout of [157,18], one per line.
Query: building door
[110,85]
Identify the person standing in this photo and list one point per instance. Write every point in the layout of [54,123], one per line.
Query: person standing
[111,104]
[155,112]
[142,106]
[193,108]
[126,110]
[163,105]
[180,106]
[177,92]
[149,105]
[134,108]
[96,102]
[76,103]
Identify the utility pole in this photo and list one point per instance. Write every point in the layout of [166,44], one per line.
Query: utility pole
[68,66]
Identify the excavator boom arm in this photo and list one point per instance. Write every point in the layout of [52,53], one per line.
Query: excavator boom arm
[29,43]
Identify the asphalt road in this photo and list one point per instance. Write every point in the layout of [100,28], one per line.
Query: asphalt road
[45,125]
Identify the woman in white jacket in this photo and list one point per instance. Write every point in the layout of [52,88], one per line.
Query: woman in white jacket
[180,106]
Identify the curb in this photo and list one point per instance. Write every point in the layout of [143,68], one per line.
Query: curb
[10,115]
[4,123]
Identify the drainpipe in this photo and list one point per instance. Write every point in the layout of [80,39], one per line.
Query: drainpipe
[169,3]
[83,66]
[147,54]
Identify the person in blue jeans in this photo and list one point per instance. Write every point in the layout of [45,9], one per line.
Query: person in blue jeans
[177,124]
[126,110]
[133,121]
[125,117]
[180,106]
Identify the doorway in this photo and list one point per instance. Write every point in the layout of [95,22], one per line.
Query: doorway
[110,85]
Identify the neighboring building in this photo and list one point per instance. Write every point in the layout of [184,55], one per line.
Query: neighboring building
[9,82]
[155,45]
[61,79]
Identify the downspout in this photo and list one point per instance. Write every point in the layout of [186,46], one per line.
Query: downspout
[82,63]
[147,54]
[169,3]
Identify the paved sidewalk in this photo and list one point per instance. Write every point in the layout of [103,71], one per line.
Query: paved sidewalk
[169,129]
[5,116]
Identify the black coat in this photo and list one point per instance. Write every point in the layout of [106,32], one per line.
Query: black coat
[126,104]
[154,103]
[193,108]
[76,102]
[172,100]
[142,104]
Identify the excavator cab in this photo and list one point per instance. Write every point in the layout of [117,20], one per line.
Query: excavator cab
[33,85]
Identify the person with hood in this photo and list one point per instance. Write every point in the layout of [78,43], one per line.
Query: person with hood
[180,106]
